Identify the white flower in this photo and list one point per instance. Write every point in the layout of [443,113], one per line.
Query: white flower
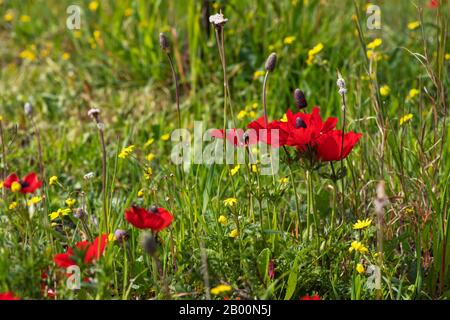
[218,20]
[88,176]
[28,108]
[94,112]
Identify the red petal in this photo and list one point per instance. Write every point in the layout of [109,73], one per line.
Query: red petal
[8,296]
[96,249]
[32,183]
[10,179]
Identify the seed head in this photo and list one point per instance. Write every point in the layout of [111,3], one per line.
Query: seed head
[271,62]
[121,235]
[154,209]
[164,42]
[79,213]
[300,99]
[218,20]
[299,123]
[93,113]
[28,108]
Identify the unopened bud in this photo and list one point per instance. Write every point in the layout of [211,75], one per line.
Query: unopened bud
[300,99]
[271,62]
[164,42]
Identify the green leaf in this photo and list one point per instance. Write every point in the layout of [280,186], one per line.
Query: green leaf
[263,263]
[292,280]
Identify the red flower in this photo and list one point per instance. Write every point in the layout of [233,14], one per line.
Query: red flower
[8,296]
[267,134]
[329,146]
[308,297]
[236,137]
[300,130]
[156,219]
[84,249]
[304,128]
[28,184]
[433,4]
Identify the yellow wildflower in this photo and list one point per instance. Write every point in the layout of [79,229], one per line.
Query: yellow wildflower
[150,157]
[70,202]
[165,137]
[222,220]
[371,55]
[140,193]
[9,16]
[361,224]
[148,172]
[149,142]
[16,186]
[258,74]
[66,56]
[77,34]
[221,288]
[447,56]
[412,93]
[284,180]
[241,115]
[359,247]
[128,12]
[385,90]
[360,268]
[111,237]
[53,180]
[125,153]
[313,52]
[289,40]
[59,213]
[234,233]
[235,170]
[284,118]
[230,202]
[27,55]
[34,200]
[1,184]
[406,118]
[255,168]
[413,25]
[13,205]
[93,5]
[97,34]
[25,18]
[375,43]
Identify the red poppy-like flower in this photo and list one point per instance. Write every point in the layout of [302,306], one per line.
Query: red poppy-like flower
[274,133]
[156,218]
[305,128]
[45,289]
[8,296]
[308,297]
[329,146]
[28,184]
[300,129]
[84,249]
[433,4]
[237,137]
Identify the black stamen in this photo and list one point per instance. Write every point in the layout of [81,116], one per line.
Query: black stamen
[154,209]
[299,123]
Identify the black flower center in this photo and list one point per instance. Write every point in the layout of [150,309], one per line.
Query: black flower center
[154,209]
[299,123]
[24,184]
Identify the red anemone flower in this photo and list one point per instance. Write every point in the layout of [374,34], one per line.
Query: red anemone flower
[156,218]
[88,251]
[433,4]
[308,297]
[329,147]
[305,128]
[237,137]
[8,296]
[268,133]
[28,184]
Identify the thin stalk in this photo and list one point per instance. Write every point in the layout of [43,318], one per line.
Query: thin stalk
[264,98]
[5,165]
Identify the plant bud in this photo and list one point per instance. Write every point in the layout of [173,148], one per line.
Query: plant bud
[164,42]
[271,62]
[121,235]
[300,99]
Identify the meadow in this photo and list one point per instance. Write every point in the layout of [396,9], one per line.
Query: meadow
[93,206]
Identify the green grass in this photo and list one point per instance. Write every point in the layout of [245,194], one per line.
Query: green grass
[124,73]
